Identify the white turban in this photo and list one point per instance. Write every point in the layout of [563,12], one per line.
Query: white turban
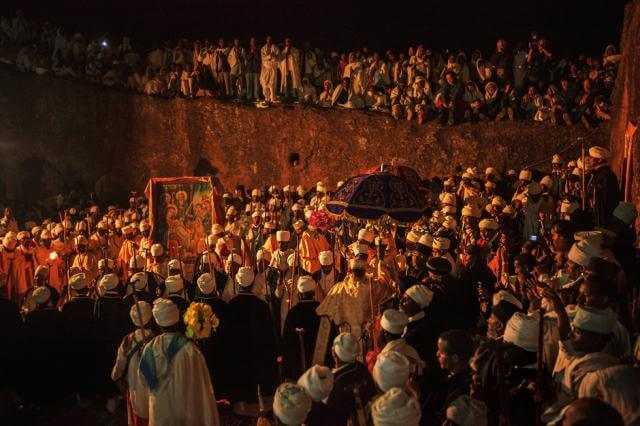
[78,281]
[391,370]
[139,280]
[325,258]
[448,209]
[136,262]
[498,201]
[156,250]
[470,211]
[441,243]
[522,331]
[360,249]
[488,224]
[345,346]
[305,284]
[366,235]
[599,152]
[413,236]
[165,312]
[41,295]
[245,276]
[317,382]
[104,263]
[426,240]
[206,283]
[108,282]
[145,311]
[173,284]
[582,252]
[283,236]
[420,294]
[466,411]
[448,199]
[601,321]
[291,404]
[394,321]
[395,408]
[525,175]
[174,264]
[625,212]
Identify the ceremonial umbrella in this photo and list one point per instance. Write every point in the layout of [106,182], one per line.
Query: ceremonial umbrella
[371,196]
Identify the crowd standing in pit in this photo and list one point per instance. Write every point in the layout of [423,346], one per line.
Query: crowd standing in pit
[506,302]
[528,81]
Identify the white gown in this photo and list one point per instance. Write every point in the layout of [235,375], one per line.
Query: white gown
[184,394]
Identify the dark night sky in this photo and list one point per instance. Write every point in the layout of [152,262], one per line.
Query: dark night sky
[573,26]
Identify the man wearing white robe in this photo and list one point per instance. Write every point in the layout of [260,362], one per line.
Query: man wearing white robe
[174,370]
[290,83]
[270,56]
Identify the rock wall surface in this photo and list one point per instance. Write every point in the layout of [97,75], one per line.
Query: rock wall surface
[57,135]
[627,97]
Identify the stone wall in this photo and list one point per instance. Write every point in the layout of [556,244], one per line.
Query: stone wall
[627,96]
[56,135]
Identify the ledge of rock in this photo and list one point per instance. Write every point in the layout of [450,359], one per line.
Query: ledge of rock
[58,135]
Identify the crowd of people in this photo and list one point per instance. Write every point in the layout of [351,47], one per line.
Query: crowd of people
[528,81]
[512,300]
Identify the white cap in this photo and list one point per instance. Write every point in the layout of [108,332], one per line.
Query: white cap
[108,282]
[321,187]
[317,382]
[471,211]
[104,263]
[145,311]
[174,264]
[136,262]
[601,321]
[325,258]
[441,243]
[165,312]
[522,331]
[359,249]
[396,408]
[506,296]
[156,250]
[206,283]
[625,212]
[420,294]
[391,370]
[466,411]
[366,235]
[283,236]
[139,280]
[498,201]
[599,152]
[78,281]
[394,321]
[245,276]
[345,346]
[41,295]
[173,284]
[291,404]
[305,284]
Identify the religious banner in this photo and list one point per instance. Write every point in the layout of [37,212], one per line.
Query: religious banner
[181,212]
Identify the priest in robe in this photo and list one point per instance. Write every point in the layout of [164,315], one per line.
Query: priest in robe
[312,243]
[302,318]
[176,375]
[126,371]
[250,342]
